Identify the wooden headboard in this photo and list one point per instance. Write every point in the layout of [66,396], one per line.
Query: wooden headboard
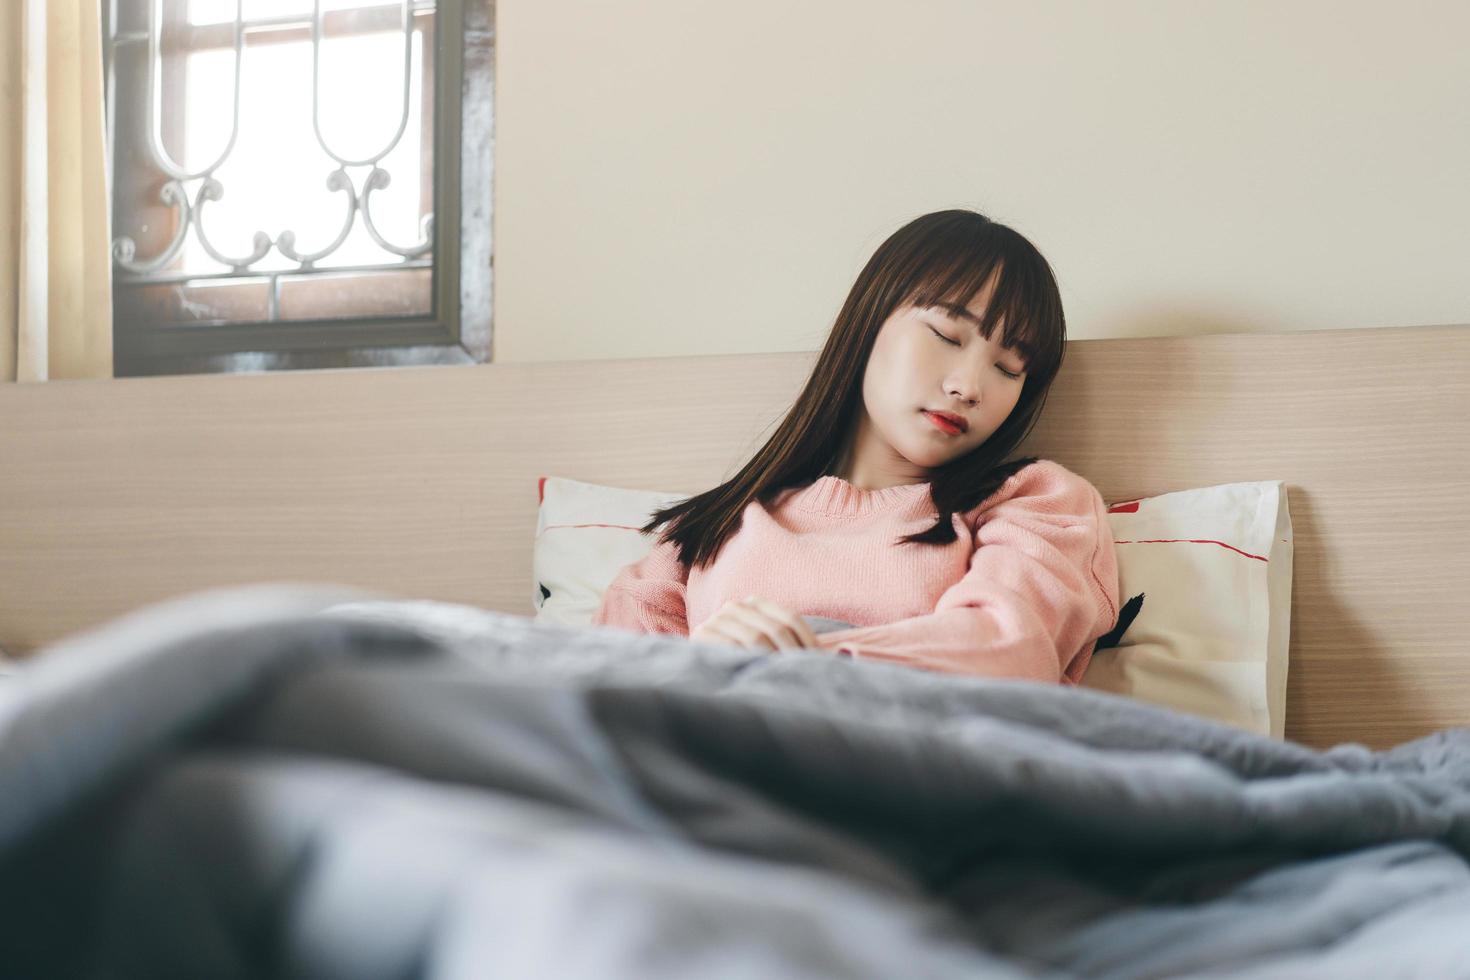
[421,483]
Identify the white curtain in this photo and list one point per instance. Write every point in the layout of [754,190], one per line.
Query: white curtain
[55,266]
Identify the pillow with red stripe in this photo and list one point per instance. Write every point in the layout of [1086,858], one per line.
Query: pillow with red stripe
[1212,636]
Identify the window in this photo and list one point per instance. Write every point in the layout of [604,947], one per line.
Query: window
[299,183]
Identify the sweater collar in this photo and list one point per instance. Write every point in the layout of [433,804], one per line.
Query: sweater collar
[834,495]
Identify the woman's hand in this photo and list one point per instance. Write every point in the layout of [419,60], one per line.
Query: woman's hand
[756,623]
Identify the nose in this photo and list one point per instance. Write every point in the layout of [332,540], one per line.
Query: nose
[967,391]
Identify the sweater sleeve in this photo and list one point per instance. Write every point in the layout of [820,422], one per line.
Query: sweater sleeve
[647,596]
[1041,588]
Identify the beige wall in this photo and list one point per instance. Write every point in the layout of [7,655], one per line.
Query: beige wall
[705,176]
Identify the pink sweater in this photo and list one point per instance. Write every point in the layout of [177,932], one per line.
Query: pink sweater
[1025,591]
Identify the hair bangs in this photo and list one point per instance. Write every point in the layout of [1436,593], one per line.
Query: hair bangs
[955,285]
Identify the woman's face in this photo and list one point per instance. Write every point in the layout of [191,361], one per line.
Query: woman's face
[930,359]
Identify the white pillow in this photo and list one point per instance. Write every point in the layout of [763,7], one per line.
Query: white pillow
[1214,565]
[1224,658]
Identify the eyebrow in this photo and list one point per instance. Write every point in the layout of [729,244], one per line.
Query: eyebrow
[959,312]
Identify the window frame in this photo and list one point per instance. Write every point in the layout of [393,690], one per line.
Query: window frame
[460,328]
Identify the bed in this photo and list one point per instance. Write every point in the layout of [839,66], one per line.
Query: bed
[517,783]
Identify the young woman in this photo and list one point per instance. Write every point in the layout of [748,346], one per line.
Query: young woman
[884,499]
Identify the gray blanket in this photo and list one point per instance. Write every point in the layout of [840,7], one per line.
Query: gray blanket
[288,781]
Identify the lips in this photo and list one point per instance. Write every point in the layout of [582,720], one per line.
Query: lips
[949,418]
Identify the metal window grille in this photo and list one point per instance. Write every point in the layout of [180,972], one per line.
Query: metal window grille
[355,136]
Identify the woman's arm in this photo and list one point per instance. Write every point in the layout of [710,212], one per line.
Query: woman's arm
[1041,588]
[647,596]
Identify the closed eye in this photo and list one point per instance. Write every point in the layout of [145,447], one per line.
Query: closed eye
[943,337]
[956,343]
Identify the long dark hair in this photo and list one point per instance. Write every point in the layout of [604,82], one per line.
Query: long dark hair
[943,257]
